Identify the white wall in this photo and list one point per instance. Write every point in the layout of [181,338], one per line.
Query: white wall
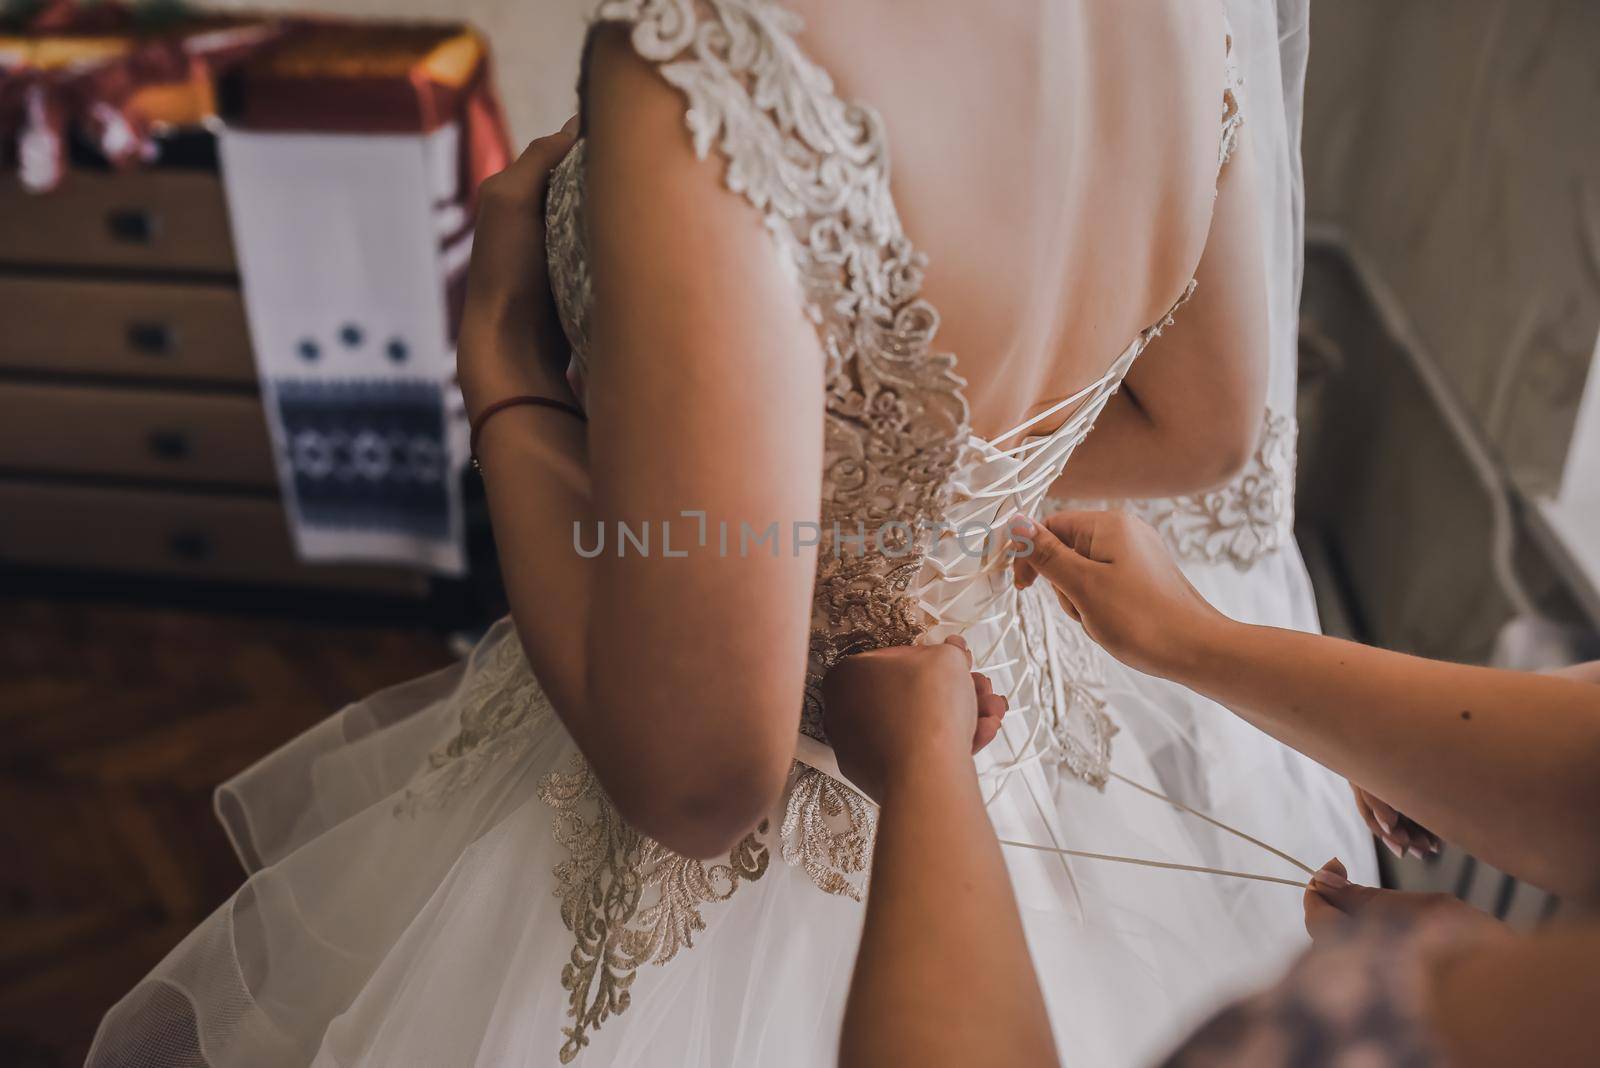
[1456,146]
[1581,481]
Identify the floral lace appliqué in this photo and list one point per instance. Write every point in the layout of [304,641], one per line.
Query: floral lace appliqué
[1241,522]
[1071,680]
[627,899]
[503,709]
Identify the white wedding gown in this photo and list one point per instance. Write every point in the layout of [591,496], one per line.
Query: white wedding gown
[437,879]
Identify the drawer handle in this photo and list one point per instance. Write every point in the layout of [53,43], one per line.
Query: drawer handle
[151,339]
[131,226]
[168,444]
[190,545]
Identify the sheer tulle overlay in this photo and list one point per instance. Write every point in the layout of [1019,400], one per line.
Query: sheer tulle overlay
[436,878]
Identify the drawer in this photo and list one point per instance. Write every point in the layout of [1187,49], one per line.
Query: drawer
[135,433]
[156,532]
[126,329]
[172,220]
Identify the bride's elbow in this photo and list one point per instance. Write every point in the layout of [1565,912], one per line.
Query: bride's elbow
[705,804]
[1198,459]
[1224,453]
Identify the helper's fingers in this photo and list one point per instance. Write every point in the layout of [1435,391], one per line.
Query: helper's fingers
[1365,810]
[993,706]
[1383,812]
[1047,555]
[981,683]
[1023,572]
[961,643]
[1077,530]
[1383,821]
[1333,883]
[1421,842]
[1322,918]
[987,729]
[1324,911]
[1364,807]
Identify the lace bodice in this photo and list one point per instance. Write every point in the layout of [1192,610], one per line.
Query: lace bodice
[900,460]
[901,464]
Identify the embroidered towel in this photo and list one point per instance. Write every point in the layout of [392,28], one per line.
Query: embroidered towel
[348,245]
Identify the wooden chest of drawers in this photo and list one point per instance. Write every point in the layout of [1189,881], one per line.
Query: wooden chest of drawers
[132,438]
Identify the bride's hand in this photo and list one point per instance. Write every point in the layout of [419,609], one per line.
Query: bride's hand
[907,707]
[1113,574]
[511,338]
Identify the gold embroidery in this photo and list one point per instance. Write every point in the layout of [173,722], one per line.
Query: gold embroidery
[1242,522]
[1071,679]
[502,710]
[628,900]
[827,832]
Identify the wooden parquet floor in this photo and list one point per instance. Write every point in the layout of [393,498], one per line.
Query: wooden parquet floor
[116,722]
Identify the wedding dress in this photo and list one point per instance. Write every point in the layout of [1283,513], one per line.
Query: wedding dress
[437,878]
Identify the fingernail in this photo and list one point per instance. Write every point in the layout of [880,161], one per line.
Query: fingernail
[1386,824]
[1416,851]
[1399,853]
[1331,879]
[1021,524]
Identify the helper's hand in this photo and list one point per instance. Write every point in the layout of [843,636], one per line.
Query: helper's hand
[1114,575]
[511,338]
[1332,901]
[1399,832]
[906,707]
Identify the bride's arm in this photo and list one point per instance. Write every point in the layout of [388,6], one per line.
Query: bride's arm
[705,394]
[1190,411]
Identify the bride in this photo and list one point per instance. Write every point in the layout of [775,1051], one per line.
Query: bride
[615,834]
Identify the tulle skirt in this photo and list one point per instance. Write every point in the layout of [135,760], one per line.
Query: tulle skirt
[416,891]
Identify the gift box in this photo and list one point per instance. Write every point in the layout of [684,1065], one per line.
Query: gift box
[113,75]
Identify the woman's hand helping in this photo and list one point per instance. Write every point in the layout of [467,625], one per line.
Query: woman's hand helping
[1113,574]
[906,709]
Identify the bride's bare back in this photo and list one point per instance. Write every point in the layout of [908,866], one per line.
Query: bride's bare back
[1058,163]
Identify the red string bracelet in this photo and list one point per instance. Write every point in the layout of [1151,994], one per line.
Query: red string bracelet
[514,402]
